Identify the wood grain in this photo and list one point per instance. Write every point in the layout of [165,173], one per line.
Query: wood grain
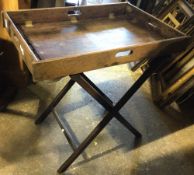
[99,36]
[65,39]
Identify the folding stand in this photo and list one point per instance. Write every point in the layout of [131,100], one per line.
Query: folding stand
[101,98]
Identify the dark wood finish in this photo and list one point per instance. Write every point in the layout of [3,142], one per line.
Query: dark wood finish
[66,39]
[112,111]
[55,43]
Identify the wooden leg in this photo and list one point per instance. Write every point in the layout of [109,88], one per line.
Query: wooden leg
[101,98]
[106,119]
[57,99]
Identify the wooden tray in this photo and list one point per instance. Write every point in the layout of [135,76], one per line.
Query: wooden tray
[57,42]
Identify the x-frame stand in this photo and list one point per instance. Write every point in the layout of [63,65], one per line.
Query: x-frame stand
[101,98]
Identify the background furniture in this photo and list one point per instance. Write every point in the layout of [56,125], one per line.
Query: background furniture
[11,61]
[13,72]
[176,81]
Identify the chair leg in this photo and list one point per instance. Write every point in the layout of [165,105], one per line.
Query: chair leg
[57,99]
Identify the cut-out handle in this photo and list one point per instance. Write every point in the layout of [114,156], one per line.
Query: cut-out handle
[123,53]
[74,13]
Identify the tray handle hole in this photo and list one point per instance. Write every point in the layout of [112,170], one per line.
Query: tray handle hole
[74,13]
[123,53]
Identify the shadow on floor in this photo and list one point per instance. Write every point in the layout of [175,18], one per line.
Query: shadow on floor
[18,132]
[136,112]
[140,112]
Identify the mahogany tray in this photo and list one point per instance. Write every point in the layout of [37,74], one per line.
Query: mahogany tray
[57,42]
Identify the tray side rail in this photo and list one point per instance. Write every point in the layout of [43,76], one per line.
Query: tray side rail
[54,68]
[47,15]
[19,41]
[58,67]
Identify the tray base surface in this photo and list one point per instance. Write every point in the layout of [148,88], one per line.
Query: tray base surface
[65,39]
